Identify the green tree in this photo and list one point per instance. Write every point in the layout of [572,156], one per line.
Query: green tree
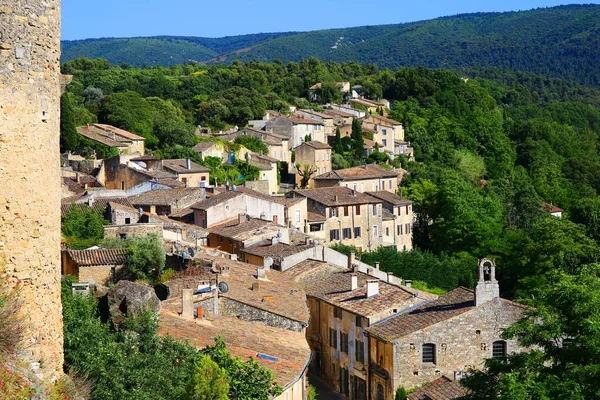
[83,228]
[306,172]
[69,138]
[209,381]
[145,255]
[358,142]
[337,145]
[561,330]
[252,143]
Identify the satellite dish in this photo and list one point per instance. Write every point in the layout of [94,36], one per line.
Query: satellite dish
[184,254]
[223,287]
[279,234]
[177,246]
[142,164]
[316,242]
[140,210]
[191,252]
[269,261]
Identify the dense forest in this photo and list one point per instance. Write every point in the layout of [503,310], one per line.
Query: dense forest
[559,42]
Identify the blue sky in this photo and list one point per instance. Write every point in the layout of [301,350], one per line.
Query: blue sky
[126,18]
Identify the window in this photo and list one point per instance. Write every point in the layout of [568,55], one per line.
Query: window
[406,210]
[359,350]
[275,218]
[357,232]
[347,233]
[384,132]
[122,236]
[428,353]
[333,212]
[203,178]
[499,349]
[122,185]
[387,231]
[384,141]
[380,392]
[184,180]
[316,227]
[334,234]
[344,387]
[337,312]
[399,230]
[407,230]
[344,342]
[333,338]
[357,210]
[358,321]
[297,215]
[374,209]
[345,211]
[399,210]
[375,233]
[390,183]
[127,221]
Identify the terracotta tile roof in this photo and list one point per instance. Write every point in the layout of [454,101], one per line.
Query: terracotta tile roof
[312,216]
[449,305]
[368,171]
[119,132]
[285,297]
[338,113]
[266,249]
[317,114]
[232,229]
[317,145]
[244,339]
[180,166]
[384,120]
[163,197]
[145,157]
[335,289]
[308,272]
[440,389]
[262,157]
[97,135]
[216,199]
[345,196]
[550,208]
[390,198]
[303,121]
[386,215]
[203,146]
[87,258]
[365,102]
[98,205]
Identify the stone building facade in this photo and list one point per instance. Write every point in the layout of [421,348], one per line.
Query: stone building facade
[30,84]
[445,337]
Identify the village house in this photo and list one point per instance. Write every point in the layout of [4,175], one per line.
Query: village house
[371,106]
[130,230]
[340,118]
[95,266]
[268,170]
[326,119]
[364,178]
[386,131]
[111,136]
[342,215]
[209,149]
[348,109]
[296,129]
[444,337]
[343,304]
[262,315]
[239,200]
[317,156]
[440,389]
[188,172]
[344,88]
[278,145]
[295,211]
[398,219]
[165,202]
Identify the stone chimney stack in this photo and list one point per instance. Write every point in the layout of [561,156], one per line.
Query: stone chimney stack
[188,163]
[354,282]
[372,287]
[241,218]
[351,259]
[187,303]
[487,288]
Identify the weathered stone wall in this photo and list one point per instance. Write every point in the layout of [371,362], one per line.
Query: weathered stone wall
[130,230]
[30,173]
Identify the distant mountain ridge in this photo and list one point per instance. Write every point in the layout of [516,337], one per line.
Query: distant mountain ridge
[560,41]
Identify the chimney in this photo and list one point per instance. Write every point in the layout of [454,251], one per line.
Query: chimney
[390,275]
[351,259]
[188,163]
[335,198]
[203,193]
[487,288]
[354,281]
[90,201]
[377,265]
[241,218]
[87,126]
[372,287]
[187,303]
[408,283]
[260,273]
[370,271]
[255,286]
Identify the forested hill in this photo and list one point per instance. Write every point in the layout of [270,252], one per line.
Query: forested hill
[560,42]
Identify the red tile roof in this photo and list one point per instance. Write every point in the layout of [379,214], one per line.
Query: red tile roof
[337,196]
[368,171]
[88,258]
[440,389]
[180,166]
[390,198]
[119,132]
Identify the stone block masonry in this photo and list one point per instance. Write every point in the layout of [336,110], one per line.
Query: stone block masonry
[30,174]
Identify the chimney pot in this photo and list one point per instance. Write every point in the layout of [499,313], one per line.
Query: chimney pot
[335,198]
[187,303]
[241,218]
[255,286]
[188,164]
[351,259]
[408,283]
[354,281]
[377,265]
[372,287]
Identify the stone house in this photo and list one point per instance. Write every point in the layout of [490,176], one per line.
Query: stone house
[268,170]
[231,203]
[191,174]
[326,119]
[340,118]
[355,112]
[167,201]
[317,156]
[386,131]
[295,211]
[209,149]
[398,220]
[93,265]
[135,174]
[445,337]
[278,145]
[372,107]
[343,304]
[263,315]
[342,215]
[295,129]
[364,178]
[130,230]
[126,142]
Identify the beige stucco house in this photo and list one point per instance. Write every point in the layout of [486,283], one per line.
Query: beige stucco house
[364,178]
[317,156]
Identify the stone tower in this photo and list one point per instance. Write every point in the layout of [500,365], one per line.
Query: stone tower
[30,173]
[487,288]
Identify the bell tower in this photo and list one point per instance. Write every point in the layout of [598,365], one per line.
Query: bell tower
[30,175]
[487,288]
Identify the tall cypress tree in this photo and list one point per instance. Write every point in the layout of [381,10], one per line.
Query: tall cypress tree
[358,141]
[337,145]
[69,138]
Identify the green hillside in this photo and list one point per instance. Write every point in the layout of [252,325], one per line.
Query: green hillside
[557,42]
